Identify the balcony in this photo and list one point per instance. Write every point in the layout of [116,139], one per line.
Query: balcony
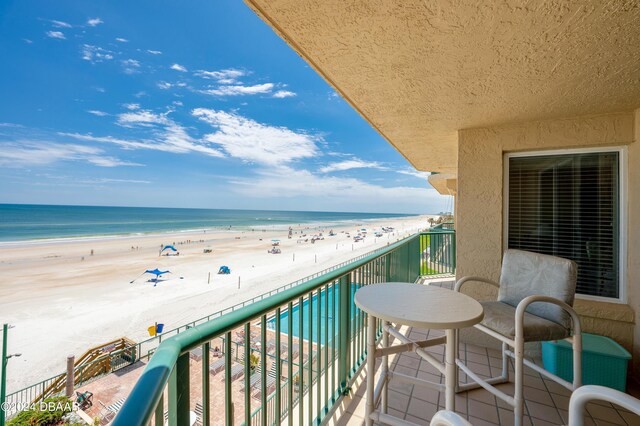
[295,357]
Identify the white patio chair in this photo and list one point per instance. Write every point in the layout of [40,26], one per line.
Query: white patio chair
[587,393]
[535,299]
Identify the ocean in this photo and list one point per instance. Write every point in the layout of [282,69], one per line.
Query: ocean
[22,222]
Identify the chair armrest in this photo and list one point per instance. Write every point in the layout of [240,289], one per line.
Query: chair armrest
[584,394]
[448,418]
[463,280]
[524,303]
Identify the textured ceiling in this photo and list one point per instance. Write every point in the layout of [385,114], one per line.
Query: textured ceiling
[420,70]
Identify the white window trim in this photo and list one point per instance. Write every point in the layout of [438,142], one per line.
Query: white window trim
[622,238]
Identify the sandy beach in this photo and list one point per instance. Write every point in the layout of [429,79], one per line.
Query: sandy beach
[63,297]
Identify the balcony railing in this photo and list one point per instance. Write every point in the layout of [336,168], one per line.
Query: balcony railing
[289,356]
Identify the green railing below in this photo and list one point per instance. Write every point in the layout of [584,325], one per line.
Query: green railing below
[296,351]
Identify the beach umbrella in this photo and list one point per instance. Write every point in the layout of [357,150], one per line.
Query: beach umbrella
[172,248]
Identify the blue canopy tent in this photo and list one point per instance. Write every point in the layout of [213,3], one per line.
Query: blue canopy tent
[155,272]
[224,270]
[172,248]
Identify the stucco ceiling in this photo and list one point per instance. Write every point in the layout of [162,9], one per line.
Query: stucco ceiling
[420,70]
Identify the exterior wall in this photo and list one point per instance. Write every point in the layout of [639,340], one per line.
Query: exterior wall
[480,206]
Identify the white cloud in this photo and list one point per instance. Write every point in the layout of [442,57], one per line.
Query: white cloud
[351,164]
[164,135]
[122,40]
[284,94]
[93,22]
[96,54]
[131,106]
[226,76]
[154,52]
[239,90]
[26,40]
[414,172]
[249,140]
[130,66]
[178,67]
[56,34]
[60,24]
[107,180]
[323,192]
[98,113]
[37,153]
[164,85]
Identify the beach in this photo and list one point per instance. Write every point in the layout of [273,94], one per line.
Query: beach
[64,296]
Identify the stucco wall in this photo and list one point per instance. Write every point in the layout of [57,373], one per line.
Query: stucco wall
[480,205]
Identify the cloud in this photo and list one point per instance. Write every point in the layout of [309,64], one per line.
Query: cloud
[239,90]
[37,153]
[284,94]
[351,164]
[130,66]
[93,22]
[226,76]
[154,52]
[56,34]
[164,85]
[414,172]
[330,191]
[164,134]
[98,113]
[96,54]
[122,40]
[131,106]
[60,24]
[26,40]
[178,67]
[251,141]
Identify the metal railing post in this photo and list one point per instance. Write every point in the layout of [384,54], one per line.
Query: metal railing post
[344,352]
[205,383]
[179,392]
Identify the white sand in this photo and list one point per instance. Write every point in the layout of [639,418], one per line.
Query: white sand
[62,305]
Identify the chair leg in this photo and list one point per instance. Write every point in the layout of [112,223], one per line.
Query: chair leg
[577,360]
[505,362]
[518,409]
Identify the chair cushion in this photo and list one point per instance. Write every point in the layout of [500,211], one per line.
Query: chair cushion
[501,318]
[526,273]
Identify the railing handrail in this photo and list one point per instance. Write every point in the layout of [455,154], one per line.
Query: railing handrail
[145,395]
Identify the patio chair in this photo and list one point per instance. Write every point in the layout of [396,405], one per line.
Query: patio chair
[587,393]
[270,382]
[535,299]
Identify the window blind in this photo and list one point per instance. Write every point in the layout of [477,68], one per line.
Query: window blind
[568,206]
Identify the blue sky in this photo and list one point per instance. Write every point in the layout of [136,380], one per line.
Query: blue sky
[182,104]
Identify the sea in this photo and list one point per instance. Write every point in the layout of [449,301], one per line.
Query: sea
[25,222]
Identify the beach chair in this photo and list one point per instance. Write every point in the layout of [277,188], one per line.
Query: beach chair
[218,365]
[116,406]
[199,414]
[254,379]
[196,353]
[270,382]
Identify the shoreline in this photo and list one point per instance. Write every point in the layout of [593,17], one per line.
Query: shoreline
[62,300]
[151,234]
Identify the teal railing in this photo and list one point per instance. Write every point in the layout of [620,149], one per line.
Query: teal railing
[146,348]
[310,340]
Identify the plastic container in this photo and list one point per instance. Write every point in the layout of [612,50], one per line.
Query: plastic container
[604,362]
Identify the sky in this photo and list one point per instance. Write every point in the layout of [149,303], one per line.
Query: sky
[182,104]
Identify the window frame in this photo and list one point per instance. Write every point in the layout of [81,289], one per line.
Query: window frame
[622,209]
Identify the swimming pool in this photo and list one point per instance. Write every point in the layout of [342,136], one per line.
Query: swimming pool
[333,309]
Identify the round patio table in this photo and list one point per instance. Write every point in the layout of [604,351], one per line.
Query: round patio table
[418,306]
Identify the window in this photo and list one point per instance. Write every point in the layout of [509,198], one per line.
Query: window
[568,205]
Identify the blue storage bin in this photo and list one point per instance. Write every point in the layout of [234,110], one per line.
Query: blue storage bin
[604,362]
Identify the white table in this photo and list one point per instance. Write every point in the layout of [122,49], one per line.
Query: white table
[417,306]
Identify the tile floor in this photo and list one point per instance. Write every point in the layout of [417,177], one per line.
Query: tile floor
[546,402]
